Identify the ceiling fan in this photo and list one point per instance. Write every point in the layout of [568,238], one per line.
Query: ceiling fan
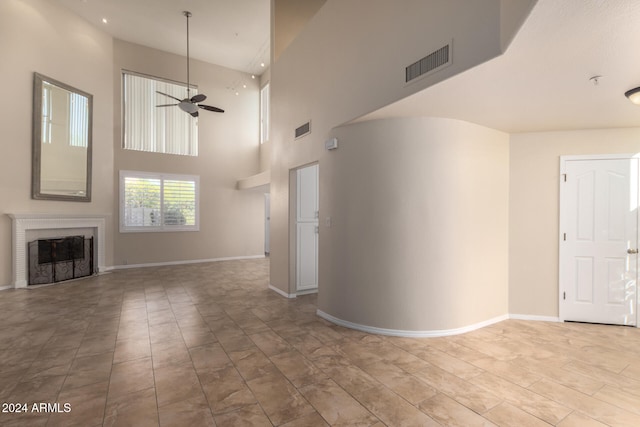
[192,104]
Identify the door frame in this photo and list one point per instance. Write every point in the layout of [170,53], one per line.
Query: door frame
[293,231]
[267,224]
[561,266]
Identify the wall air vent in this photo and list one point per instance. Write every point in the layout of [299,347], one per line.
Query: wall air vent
[430,63]
[303,130]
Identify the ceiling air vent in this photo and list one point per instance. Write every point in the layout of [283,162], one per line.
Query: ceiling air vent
[303,130]
[432,62]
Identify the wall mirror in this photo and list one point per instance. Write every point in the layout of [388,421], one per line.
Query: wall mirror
[61,141]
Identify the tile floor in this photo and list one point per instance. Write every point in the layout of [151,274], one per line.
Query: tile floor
[210,345]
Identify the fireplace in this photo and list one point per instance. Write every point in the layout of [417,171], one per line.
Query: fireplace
[54,225]
[59,259]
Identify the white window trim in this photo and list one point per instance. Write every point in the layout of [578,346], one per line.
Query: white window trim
[265,106]
[160,228]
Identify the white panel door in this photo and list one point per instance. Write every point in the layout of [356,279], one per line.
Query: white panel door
[307,256]
[307,228]
[599,240]
[307,194]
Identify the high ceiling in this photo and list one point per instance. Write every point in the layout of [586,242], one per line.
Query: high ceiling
[544,80]
[231,33]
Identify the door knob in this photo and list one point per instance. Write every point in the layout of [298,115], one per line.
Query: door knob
[632,251]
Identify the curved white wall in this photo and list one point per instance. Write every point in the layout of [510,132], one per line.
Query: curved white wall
[419,234]
[346,63]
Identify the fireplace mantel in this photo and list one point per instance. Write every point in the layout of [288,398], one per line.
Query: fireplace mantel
[21,223]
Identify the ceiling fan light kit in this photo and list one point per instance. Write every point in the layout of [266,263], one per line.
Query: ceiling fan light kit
[633,95]
[190,105]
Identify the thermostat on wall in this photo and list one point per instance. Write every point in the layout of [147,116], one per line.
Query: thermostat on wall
[331,144]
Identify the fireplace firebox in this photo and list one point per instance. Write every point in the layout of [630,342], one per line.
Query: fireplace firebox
[59,259]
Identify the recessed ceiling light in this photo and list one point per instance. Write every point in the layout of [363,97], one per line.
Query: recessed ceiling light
[244,86]
[104,20]
[262,64]
[253,76]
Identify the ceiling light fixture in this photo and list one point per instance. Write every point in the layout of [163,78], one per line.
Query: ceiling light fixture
[104,20]
[189,105]
[633,95]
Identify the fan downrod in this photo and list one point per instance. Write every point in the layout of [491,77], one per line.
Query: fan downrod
[190,104]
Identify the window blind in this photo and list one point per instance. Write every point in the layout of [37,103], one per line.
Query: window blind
[46,114]
[78,120]
[158,202]
[179,202]
[264,114]
[141,201]
[157,129]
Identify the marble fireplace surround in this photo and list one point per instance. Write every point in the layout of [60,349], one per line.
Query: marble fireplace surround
[21,223]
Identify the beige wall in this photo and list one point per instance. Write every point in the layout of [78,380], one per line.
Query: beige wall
[512,16]
[419,213]
[265,147]
[350,60]
[288,19]
[534,209]
[231,221]
[333,72]
[38,36]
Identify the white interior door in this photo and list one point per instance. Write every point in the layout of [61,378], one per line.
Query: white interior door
[307,228]
[599,240]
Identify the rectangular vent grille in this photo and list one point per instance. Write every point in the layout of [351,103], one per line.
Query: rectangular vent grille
[303,130]
[429,63]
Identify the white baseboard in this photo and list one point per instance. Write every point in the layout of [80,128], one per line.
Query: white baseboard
[534,317]
[4,288]
[194,261]
[281,292]
[410,334]
[299,293]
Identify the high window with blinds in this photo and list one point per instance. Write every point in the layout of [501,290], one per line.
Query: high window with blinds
[148,127]
[264,114]
[158,202]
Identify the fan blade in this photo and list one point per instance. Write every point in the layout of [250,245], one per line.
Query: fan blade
[194,114]
[198,98]
[210,108]
[170,96]
[166,105]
